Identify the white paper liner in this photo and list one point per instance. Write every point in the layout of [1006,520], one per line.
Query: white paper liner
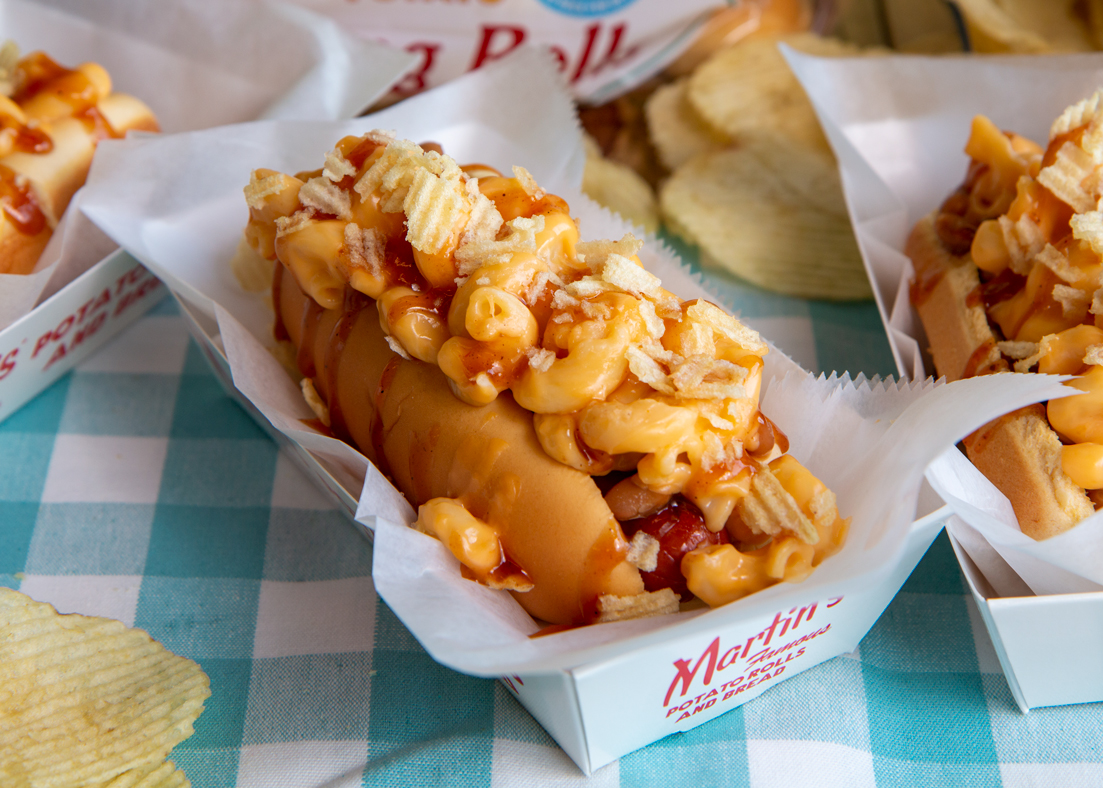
[275,61]
[176,204]
[899,126]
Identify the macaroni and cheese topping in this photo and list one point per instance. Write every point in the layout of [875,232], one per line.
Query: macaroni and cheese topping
[485,276]
[51,119]
[1031,221]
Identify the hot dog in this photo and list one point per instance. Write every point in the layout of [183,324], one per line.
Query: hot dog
[1007,277]
[51,118]
[573,432]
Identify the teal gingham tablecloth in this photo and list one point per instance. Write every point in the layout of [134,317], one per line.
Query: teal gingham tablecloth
[135,488]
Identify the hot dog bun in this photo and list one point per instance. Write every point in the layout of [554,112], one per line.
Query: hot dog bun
[944,294]
[451,324]
[1019,452]
[49,128]
[488,456]
[965,310]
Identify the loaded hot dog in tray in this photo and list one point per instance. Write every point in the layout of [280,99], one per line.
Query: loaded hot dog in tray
[51,118]
[1008,277]
[573,432]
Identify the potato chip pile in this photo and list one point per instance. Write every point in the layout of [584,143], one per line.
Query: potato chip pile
[753,181]
[732,145]
[89,702]
[739,162]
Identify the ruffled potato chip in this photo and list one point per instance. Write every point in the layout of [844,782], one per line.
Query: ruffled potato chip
[88,701]
[677,131]
[749,89]
[772,212]
[1029,26]
[620,189]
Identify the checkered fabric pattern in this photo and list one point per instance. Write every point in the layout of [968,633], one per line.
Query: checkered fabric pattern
[135,488]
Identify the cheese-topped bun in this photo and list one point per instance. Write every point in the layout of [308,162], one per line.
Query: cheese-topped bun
[573,432]
[1009,276]
[51,118]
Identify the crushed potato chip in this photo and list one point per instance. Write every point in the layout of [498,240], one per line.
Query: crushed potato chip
[701,377]
[594,253]
[322,195]
[1081,113]
[435,210]
[1017,350]
[645,605]
[9,57]
[1089,227]
[643,551]
[289,225]
[1065,177]
[621,272]
[824,508]
[484,221]
[528,183]
[260,188]
[337,167]
[647,369]
[727,326]
[520,237]
[396,347]
[1074,301]
[770,509]
[87,701]
[540,359]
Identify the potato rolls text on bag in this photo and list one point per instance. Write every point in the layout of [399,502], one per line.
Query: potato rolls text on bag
[573,432]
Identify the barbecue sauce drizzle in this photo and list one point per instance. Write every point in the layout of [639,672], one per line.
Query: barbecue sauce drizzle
[38,73]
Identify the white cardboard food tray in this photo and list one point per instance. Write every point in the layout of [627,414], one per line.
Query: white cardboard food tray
[67,327]
[1048,646]
[673,685]
[79,313]
[899,126]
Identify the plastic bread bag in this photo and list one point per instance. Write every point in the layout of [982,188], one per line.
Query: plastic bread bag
[188,223]
[899,127]
[602,48]
[195,65]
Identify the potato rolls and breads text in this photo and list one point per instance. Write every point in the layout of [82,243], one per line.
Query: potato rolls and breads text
[1009,276]
[51,118]
[572,431]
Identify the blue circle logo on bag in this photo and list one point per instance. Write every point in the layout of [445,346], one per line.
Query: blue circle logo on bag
[586,7]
